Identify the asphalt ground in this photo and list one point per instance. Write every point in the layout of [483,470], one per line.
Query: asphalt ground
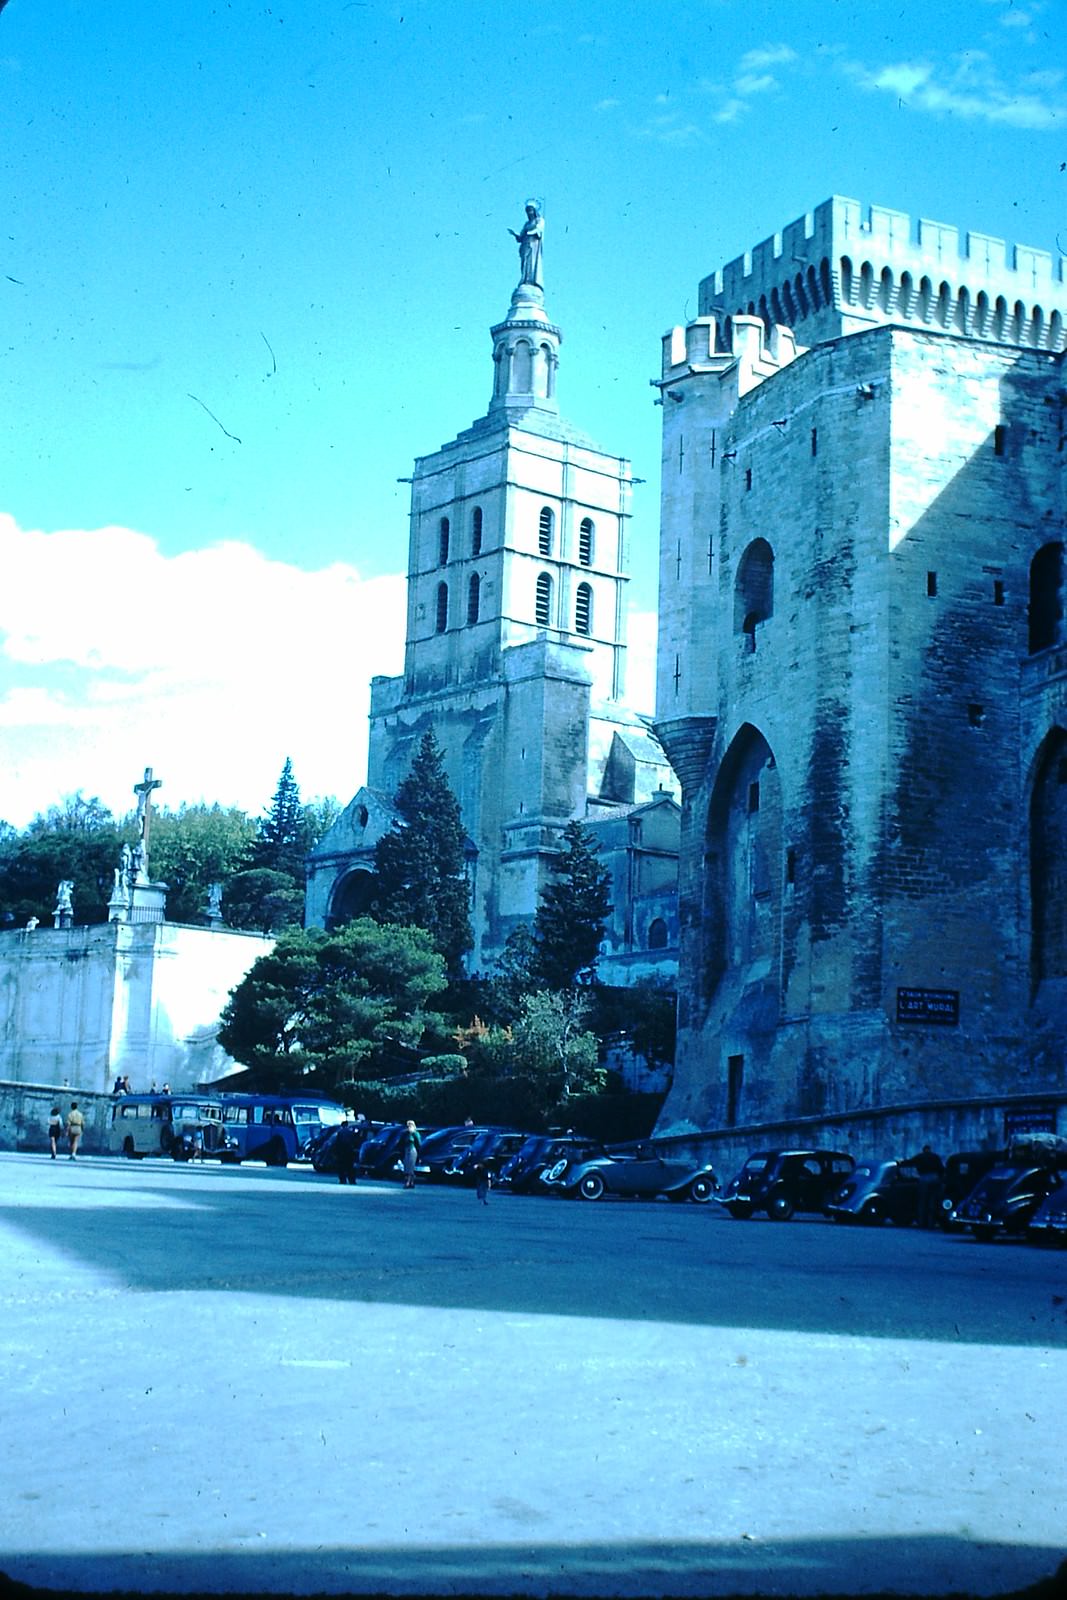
[248,1381]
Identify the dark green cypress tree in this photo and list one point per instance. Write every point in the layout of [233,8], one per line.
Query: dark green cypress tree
[281,844]
[421,863]
[572,913]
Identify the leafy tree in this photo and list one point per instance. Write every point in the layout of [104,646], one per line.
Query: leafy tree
[280,844]
[322,1003]
[319,815]
[77,839]
[572,913]
[551,1040]
[421,863]
[262,901]
[194,847]
[515,974]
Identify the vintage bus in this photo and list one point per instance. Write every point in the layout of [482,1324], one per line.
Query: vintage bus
[273,1127]
[157,1124]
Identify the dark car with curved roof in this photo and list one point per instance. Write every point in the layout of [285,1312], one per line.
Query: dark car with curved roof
[783,1182]
[642,1175]
[877,1191]
[539,1151]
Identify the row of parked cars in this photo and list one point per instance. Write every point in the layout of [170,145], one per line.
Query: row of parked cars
[1017,1191]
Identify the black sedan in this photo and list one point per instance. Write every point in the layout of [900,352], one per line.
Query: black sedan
[782,1182]
[641,1176]
[878,1191]
[1007,1198]
[522,1173]
[1048,1225]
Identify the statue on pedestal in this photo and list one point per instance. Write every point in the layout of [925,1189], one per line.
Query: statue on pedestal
[530,241]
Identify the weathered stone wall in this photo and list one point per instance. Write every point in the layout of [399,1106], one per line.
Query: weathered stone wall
[25,1109]
[861,824]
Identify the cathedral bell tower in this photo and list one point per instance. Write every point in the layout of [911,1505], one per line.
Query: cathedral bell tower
[515,643]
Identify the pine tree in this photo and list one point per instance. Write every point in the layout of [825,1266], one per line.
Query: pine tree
[280,845]
[421,863]
[572,913]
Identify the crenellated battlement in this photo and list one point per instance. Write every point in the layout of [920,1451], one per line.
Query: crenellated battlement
[842,268]
[740,345]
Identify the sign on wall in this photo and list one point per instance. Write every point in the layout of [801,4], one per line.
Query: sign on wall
[940,1006]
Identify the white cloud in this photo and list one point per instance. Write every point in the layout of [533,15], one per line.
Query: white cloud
[774,55]
[969,86]
[755,83]
[212,666]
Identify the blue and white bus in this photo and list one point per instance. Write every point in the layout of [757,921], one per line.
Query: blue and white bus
[273,1127]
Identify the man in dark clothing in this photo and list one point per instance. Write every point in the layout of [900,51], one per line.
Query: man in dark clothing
[347,1150]
[930,1170]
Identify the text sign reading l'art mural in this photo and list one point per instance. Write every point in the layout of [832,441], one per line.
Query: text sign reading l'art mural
[929,1005]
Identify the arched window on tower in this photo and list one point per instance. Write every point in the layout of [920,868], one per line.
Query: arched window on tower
[443,535]
[543,603]
[476,531]
[981,313]
[585,542]
[1046,598]
[474,594]
[583,609]
[546,524]
[441,618]
[1000,317]
[657,934]
[754,591]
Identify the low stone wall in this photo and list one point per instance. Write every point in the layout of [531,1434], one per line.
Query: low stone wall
[887,1133]
[25,1109]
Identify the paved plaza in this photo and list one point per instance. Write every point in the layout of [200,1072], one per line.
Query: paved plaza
[247,1380]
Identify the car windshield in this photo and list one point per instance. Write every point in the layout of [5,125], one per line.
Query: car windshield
[755,1164]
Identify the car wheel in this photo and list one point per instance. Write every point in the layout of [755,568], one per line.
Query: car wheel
[871,1215]
[983,1234]
[701,1190]
[556,1171]
[740,1213]
[591,1186]
[275,1155]
[166,1138]
[780,1208]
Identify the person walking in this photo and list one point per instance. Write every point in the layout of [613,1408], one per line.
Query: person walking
[75,1129]
[410,1148]
[484,1181]
[55,1130]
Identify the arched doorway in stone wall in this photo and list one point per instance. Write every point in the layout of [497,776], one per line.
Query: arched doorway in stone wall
[352,896]
[1048,861]
[743,863]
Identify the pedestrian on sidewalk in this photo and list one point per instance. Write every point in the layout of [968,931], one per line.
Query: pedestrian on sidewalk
[347,1151]
[55,1130]
[484,1181]
[930,1169]
[75,1129]
[411,1146]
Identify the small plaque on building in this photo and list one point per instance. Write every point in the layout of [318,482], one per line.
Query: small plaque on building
[940,1006]
[1036,1117]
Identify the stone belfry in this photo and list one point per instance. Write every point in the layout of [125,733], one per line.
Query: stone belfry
[515,644]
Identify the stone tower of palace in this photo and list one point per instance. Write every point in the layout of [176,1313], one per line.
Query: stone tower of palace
[862,672]
[515,656]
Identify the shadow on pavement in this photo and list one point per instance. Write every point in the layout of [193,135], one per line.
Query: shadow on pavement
[897,1567]
[293,1235]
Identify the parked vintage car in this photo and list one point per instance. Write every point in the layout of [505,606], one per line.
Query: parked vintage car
[1008,1197]
[782,1182]
[963,1171]
[877,1191]
[539,1151]
[1048,1225]
[488,1151]
[643,1175]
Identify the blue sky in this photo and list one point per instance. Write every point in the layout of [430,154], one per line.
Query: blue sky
[249,258]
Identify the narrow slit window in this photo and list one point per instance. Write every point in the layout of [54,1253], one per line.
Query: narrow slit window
[931,584]
[585,542]
[476,531]
[543,603]
[441,619]
[474,589]
[1000,439]
[545,527]
[583,610]
[443,535]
